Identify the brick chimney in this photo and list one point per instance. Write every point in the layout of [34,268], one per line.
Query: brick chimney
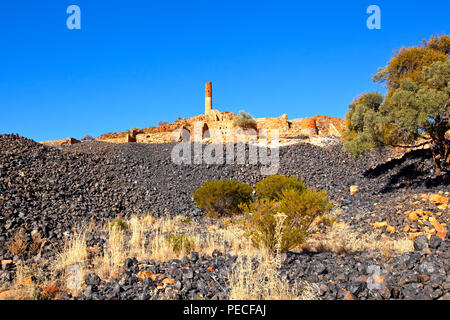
[208,98]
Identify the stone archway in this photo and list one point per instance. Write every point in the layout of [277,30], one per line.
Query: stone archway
[185,135]
[205,132]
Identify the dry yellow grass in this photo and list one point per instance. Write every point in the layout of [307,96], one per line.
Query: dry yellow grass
[74,251]
[113,255]
[264,283]
[341,238]
[27,283]
[147,238]
[205,241]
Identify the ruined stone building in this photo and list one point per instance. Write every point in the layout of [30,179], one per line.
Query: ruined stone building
[213,123]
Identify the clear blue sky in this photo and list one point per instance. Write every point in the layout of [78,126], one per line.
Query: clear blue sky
[134,63]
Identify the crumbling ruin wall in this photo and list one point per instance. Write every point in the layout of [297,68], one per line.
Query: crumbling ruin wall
[64,142]
[215,124]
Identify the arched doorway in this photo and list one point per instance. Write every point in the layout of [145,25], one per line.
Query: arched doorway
[205,132]
[185,135]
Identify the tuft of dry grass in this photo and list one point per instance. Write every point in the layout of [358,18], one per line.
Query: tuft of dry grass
[114,254]
[74,251]
[37,243]
[264,283]
[341,238]
[27,283]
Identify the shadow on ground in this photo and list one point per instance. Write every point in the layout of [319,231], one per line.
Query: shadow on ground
[414,169]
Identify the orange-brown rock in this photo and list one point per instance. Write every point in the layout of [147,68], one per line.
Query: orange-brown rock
[441,231]
[11,294]
[169,281]
[147,274]
[349,296]
[438,199]
[414,235]
[382,224]
[51,292]
[28,280]
[390,229]
[413,216]
[353,190]
[7,264]
[378,279]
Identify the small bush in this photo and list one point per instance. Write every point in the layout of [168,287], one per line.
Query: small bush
[18,245]
[327,221]
[181,243]
[187,220]
[36,243]
[118,224]
[222,197]
[272,186]
[298,210]
[245,121]
[87,138]
[162,123]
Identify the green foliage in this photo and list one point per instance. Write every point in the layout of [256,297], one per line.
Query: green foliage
[272,186]
[118,224]
[416,109]
[181,242]
[245,121]
[422,110]
[187,220]
[364,130]
[409,62]
[328,221]
[222,197]
[285,223]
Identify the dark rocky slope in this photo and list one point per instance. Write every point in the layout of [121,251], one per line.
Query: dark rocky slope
[50,190]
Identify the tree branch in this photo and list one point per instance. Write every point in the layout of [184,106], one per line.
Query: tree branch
[415,146]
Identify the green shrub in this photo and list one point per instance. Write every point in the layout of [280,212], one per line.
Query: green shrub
[87,138]
[272,186]
[222,197]
[118,224]
[187,220]
[283,224]
[245,121]
[181,242]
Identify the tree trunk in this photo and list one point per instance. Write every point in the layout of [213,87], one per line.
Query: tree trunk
[441,155]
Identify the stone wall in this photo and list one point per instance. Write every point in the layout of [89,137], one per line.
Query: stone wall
[64,142]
